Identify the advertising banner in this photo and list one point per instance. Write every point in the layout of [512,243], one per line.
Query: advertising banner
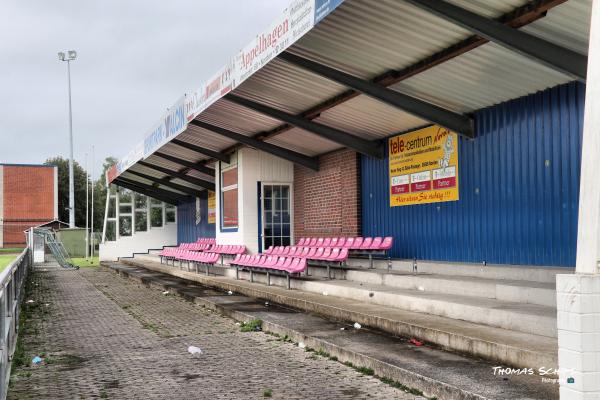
[135,155]
[172,124]
[423,167]
[212,207]
[295,21]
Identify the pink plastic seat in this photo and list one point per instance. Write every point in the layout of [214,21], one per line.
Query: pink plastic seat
[326,254]
[366,244]
[311,252]
[318,254]
[334,242]
[326,242]
[312,243]
[301,242]
[357,243]
[376,244]
[348,242]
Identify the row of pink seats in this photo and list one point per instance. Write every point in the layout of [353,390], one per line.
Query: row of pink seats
[352,243]
[291,265]
[195,246]
[228,249]
[207,240]
[189,255]
[321,253]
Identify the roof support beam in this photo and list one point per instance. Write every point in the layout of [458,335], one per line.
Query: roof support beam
[150,192]
[176,174]
[166,182]
[454,121]
[296,158]
[207,152]
[364,146]
[554,56]
[192,165]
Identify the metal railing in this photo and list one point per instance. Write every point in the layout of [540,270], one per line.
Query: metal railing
[12,281]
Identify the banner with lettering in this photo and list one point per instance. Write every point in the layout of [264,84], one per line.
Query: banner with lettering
[423,167]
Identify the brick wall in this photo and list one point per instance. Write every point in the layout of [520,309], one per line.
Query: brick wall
[28,200]
[327,202]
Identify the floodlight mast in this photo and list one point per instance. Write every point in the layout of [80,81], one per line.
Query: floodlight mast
[70,56]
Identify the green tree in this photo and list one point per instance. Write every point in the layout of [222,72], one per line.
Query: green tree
[63,189]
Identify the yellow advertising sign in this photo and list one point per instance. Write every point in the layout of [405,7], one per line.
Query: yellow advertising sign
[212,207]
[423,167]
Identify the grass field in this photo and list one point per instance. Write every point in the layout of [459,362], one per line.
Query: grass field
[10,251]
[5,260]
[83,262]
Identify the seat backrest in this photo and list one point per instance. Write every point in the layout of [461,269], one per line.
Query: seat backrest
[376,242]
[320,242]
[312,243]
[333,242]
[366,243]
[326,242]
[319,252]
[301,242]
[269,250]
[349,242]
[358,241]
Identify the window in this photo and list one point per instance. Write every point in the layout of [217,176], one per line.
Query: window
[125,212]
[141,213]
[156,216]
[229,198]
[170,212]
[111,234]
[276,216]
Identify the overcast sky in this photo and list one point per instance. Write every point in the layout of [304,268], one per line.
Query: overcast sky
[135,58]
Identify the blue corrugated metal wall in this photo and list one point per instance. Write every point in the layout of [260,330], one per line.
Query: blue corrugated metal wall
[519,189]
[187,230]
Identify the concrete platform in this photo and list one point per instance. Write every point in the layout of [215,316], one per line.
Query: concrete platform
[502,345]
[427,368]
[452,297]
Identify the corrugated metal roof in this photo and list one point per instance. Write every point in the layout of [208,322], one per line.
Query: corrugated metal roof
[369,37]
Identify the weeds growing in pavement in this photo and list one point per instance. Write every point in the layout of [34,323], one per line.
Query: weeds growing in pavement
[251,326]
[267,393]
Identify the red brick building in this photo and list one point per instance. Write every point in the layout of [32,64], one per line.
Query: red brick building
[28,197]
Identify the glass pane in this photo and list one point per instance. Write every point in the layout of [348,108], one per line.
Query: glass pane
[140,201]
[154,201]
[230,177]
[285,191]
[285,230]
[156,217]
[112,208]
[276,241]
[125,209]
[230,208]
[268,242]
[268,204]
[277,230]
[276,218]
[277,203]
[125,226]
[268,217]
[276,192]
[111,231]
[268,230]
[285,217]
[285,241]
[125,196]
[170,215]
[285,204]
[141,221]
[267,192]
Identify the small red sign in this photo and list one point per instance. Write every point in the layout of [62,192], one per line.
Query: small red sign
[420,186]
[444,183]
[399,189]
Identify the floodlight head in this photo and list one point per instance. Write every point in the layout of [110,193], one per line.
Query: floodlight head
[61,56]
[72,54]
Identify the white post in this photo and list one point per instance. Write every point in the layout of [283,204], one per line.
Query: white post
[71,177]
[92,179]
[87,232]
[578,295]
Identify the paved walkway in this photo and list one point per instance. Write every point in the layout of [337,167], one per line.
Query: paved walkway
[102,336]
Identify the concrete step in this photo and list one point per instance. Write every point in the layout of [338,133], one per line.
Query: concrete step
[509,347]
[522,317]
[518,291]
[427,368]
[509,272]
